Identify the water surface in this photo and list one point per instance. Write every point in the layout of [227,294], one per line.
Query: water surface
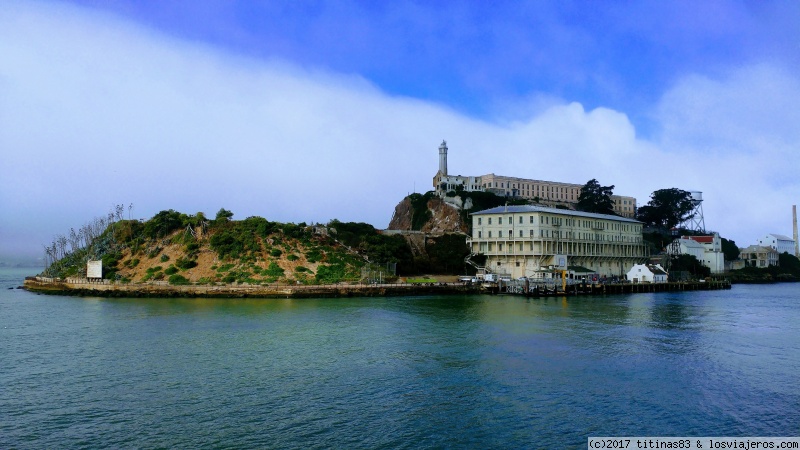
[408,372]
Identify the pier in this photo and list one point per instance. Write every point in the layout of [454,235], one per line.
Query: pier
[534,289]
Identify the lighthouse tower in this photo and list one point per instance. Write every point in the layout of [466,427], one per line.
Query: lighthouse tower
[443,158]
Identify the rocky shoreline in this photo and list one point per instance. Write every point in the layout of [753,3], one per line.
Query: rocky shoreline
[106,288]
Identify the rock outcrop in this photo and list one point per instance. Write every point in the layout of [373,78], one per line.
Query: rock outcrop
[444,217]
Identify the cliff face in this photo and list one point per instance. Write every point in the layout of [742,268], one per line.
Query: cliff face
[444,218]
[401,219]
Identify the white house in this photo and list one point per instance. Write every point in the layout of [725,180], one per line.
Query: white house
[778,242]
[707,250]
[647,273]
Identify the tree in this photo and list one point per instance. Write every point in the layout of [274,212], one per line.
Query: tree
[667,208]
[689,263]
[595,198]
[730,250]
[223,215]
[789,262]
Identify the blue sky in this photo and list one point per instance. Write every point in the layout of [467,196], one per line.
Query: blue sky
[309,111]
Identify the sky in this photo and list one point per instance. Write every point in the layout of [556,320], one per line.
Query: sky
[310,111]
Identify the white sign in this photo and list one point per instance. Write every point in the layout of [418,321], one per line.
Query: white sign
[560,262]
[94,269]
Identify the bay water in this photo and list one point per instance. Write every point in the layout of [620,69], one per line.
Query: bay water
[400,372]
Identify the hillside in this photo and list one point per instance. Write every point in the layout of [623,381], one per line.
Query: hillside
[181,249]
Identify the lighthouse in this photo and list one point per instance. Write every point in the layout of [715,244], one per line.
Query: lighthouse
[443,158]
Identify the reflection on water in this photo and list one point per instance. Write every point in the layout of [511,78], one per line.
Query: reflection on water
[476,371]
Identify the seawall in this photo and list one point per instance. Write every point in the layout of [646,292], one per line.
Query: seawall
[106,288]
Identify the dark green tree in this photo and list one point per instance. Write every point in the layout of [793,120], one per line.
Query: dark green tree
[223,215]
[595,198]
[730,250]
[163,223]
[789,262]
[689,263]
[667,208]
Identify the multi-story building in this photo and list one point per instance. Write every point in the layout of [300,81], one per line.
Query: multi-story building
[758,256]
[707,250]
[550,193]
[529,240]
[778,242]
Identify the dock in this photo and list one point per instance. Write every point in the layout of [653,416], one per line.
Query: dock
[534,289]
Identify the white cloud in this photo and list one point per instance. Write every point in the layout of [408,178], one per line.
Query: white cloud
[735,138]
[95,111]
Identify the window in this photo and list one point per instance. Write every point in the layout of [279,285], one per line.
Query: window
[479,235]
[531,233]
[511,233]
[520,233]
[520,219]
[490,220]
[500,220]
[499,248]
[490,233]
[479,220]
[500,233]
[520,247]
[531,219]
[517,263]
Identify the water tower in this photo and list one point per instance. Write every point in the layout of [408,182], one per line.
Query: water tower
[697,222]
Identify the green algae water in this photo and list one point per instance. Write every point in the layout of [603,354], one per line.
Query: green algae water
[408,372]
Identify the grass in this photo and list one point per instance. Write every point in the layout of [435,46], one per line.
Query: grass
[422,280]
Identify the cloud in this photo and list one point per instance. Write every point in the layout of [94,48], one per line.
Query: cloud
[735,138]
[96,111]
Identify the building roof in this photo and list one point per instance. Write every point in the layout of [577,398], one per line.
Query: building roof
[690,243]
[781,237]
[757,249]
[543,209]
[580,269]
[656,269]
[701,239]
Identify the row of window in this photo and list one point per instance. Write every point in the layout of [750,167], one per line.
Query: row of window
[489,247]
[562,235]
[547,220]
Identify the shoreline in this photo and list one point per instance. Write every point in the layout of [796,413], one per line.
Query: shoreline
[105,288]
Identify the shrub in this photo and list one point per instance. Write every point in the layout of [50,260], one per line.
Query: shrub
[292,257]
[313,256]
[185,264]
[225,267]
[274,270]
[178,279]
[275,253]
[164,258]
[171,270]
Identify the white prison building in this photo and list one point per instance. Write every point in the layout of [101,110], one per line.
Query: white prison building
[547,192]
[525,240]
